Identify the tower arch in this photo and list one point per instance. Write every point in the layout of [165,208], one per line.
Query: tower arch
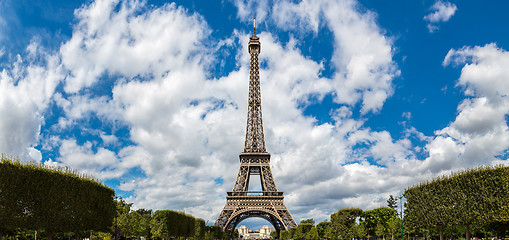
[272,217]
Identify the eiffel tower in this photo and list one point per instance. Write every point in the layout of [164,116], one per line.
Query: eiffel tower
[240,202]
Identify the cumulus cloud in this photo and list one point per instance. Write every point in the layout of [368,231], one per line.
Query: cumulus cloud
[247,9]
[480,132]
[102,163]
[362,53]
[439,12]
[129,42]
[26,90]
[485,72]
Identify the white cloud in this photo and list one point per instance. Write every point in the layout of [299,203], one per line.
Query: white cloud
[362,53]
[303,16]
[485,73]
[128,42]
[109,139]
[247,9]
[440,12]
[26,89]
[480,131]
[35,154]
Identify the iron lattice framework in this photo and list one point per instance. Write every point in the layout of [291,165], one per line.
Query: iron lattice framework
[240,202]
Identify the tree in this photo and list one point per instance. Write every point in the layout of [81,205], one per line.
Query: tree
[393,225]
[144,212]
[123,218]
[140,224]
[321,228]
[330,232]
[312,234]
[273,235]
[158,226]
[343,220]
[302,230]
[285,235]
[393,203]
[360,230]
[291,232]
[199,229]
[215,232]
[380,230]
[309,221]
[144,222]
[133,224]
[378,216]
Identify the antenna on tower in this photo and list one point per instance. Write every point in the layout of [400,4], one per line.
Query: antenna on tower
[254,26]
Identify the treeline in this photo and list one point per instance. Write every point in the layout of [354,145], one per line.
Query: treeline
[349,223]
[51,200]
[162,224]
[475,200]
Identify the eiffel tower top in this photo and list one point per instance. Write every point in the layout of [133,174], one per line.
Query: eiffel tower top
[255,140]
[254,40]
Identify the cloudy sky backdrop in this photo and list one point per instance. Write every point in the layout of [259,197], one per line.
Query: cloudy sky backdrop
[360,99]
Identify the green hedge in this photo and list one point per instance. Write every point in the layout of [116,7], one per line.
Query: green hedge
[473,197]
[168,224]
[36,197]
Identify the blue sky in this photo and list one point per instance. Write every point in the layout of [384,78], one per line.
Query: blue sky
[360,99]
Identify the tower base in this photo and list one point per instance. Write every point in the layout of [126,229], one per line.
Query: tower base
[263,204]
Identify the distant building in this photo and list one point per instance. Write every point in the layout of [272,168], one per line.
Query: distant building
[243,230]
[263,233]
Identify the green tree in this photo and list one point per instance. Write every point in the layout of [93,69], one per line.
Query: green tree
[380,230]
[215,232]
[285,235]
[330,232]
[133,224]
[141,224]
[199,229]
[343,221]
[392,202]
[274,235]
[312,234]
[158,226]
[373,218]
[393,225]
[309,221]
[360,230]
[302,230]
[124,223]
[321,227]
[291,232]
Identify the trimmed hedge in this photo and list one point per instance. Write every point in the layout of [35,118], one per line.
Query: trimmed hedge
[168,224]
[37,197]
[469,198]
